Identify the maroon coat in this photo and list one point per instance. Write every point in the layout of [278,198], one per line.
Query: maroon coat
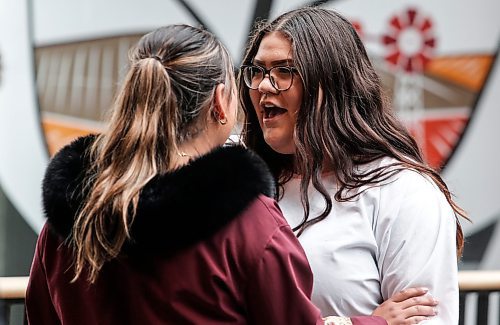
[208,247]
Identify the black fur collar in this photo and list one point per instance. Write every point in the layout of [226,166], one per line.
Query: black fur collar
[175,209]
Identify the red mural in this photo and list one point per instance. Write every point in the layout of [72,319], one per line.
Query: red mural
[433,94]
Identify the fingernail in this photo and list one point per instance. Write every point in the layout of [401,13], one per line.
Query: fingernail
[425,289]
[435,300]
[435,311]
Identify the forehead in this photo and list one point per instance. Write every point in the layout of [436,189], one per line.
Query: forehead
[274,47]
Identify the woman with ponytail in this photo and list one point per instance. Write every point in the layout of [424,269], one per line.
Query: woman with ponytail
[154,221]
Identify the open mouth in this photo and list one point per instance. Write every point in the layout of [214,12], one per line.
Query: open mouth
[272,111]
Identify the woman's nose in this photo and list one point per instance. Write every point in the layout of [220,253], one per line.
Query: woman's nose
[266,86]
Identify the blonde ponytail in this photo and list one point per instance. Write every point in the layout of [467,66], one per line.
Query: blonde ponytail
[126,158]
[174,71]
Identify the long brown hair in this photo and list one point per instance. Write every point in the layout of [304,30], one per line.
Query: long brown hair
[173,74]
[344,120]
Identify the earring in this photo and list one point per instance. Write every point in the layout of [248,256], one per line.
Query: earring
[223,121]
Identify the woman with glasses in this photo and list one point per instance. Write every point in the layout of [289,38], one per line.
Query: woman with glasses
[372,217]
[154,221]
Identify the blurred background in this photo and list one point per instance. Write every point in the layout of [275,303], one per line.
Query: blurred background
[61,62]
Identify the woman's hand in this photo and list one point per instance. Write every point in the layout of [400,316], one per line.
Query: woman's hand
[410,306]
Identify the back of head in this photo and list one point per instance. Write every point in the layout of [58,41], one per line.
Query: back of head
[174,71]
[164,101]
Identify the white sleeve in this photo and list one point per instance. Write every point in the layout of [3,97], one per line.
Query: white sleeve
[416,234]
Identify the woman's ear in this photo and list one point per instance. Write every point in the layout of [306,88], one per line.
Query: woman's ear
[221,103]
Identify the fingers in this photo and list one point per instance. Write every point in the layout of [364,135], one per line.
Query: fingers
[427,300]
[408,306]
[419,311]
[415,320]
[409,293]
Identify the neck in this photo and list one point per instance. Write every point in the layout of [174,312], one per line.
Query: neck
[327,169]
[192,149]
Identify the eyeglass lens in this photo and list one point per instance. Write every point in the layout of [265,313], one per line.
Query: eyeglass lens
[280,77]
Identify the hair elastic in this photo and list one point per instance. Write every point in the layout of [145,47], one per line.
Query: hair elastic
[157,58]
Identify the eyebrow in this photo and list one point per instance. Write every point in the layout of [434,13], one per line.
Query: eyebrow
[274,63]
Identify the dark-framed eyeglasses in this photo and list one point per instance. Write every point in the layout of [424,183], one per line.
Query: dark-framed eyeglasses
[281,77]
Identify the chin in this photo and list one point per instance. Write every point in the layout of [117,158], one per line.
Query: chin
[281,148]
[285,152]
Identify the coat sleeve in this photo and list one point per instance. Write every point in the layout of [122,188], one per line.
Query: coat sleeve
[416,236]
[39,307]
[279,290]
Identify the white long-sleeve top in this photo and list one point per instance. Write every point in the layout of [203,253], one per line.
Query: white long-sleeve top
[392,237]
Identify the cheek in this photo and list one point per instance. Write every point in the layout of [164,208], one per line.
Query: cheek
[295,102]
[255,98]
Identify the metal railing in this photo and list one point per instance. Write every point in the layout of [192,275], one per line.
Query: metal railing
[12,292]
[478,288]
[480,284]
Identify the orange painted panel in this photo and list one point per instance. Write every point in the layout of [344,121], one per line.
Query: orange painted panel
[468,71]
[59,133]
